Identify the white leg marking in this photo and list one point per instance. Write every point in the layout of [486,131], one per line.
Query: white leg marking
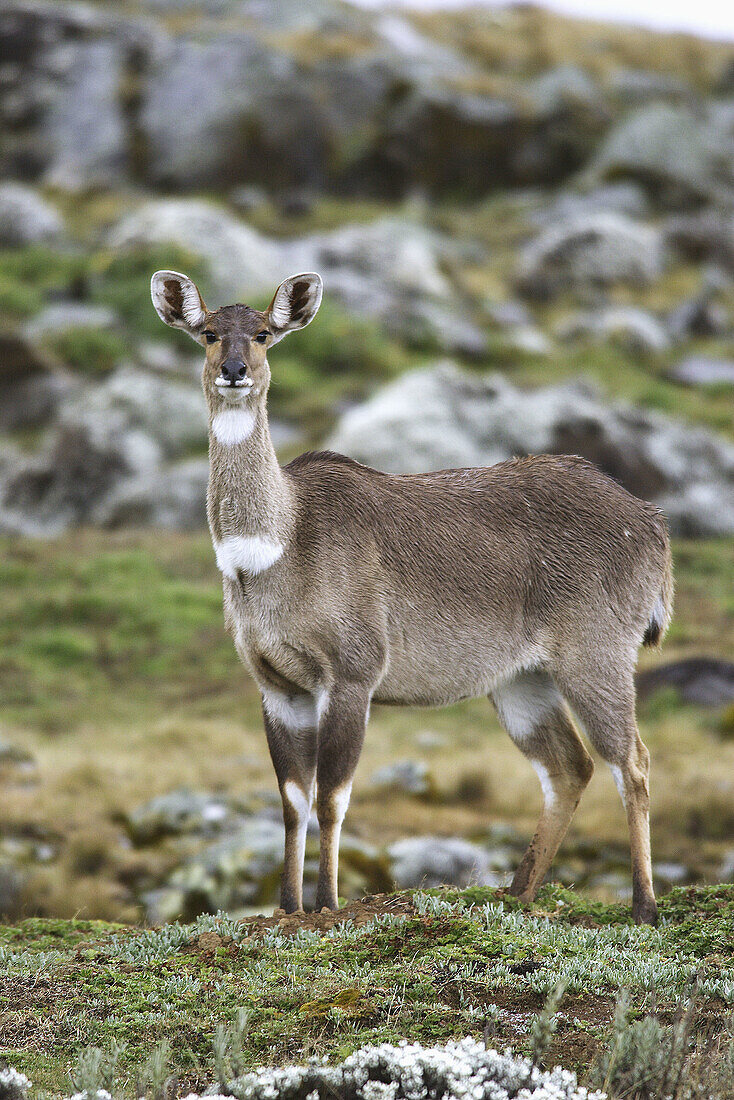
[300,801]
[549,794]
[231,426]
[295,712]
[619,781]
[341,798]
[322,703]
[524,702]
[251,554]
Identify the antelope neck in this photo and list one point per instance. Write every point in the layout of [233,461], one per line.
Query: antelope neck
[249,496]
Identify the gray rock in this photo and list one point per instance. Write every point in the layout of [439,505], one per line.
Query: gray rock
[250,115]
[635,87]
[429,861]
[441,417]
[409,776]
[85,127]
[670,874]
[241,869]
[701,370]
[390,269]
[635,329]
[242,262]
[678,154]
[178,813]
[169,413]
[706,681]
[31,385]
[592,250]
[172,497]
[26,218]
[706,234]
[63,316]
[625,197]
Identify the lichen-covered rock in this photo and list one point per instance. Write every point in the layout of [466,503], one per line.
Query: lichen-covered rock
[25,217]
[679,154]
[177,813]
[635,329]
[170,497]
[590,250]
[429,861]
[440,417]
[409,776]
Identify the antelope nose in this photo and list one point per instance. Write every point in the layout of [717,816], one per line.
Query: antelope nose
[233,370]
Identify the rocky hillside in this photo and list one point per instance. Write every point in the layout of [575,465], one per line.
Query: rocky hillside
[516,191]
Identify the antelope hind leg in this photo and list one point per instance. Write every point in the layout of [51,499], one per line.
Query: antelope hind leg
[536,717]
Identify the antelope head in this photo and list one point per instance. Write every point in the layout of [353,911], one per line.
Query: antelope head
[236,338]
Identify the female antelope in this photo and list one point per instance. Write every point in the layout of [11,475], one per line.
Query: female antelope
[534,581]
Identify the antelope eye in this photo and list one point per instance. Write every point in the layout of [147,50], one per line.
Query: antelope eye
[262,337]
[211,337]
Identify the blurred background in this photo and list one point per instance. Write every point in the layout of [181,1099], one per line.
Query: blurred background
[525,225]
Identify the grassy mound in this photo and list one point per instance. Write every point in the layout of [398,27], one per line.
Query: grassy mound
[431,967]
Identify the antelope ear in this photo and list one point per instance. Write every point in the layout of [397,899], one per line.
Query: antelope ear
[177,301]
[295,304]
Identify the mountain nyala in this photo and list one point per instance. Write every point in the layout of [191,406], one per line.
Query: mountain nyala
[533,582]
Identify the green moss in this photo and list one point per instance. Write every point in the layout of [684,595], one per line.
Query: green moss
[88,350]
[463,957]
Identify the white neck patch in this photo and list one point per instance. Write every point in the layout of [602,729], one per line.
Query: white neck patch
[247,554]
[232,426]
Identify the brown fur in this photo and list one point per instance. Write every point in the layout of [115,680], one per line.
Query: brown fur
[534,581]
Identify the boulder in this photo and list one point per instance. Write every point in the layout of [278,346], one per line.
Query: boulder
[707,681]
[178,813]
[63,105]
[65,316]
[170,413]
[26,218]
[251,115]
[635,329]
[678,154]
[242,263]
[390,269]
[430,861]
[702,370]
[588,251]
[171,497]
[406,776]
[31,384]
[440,417]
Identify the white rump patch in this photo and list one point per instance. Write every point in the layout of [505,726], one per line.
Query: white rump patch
[231,426]
[295,712]
[549,794]
[251,554]
[619,781]
[523,703]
